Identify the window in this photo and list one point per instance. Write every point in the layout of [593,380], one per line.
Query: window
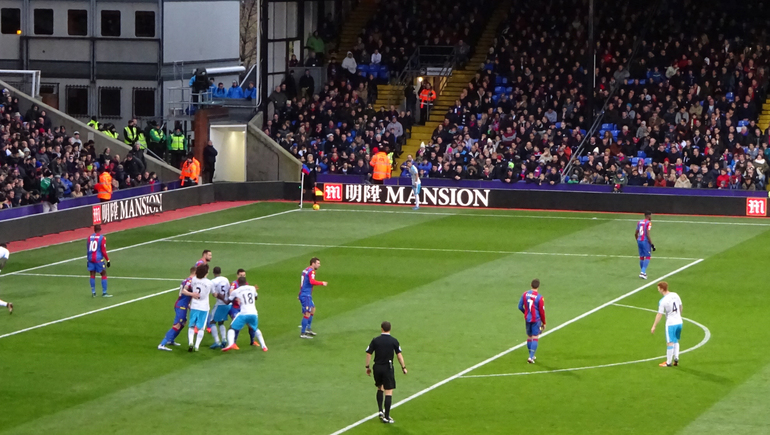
[144,102]
[43,21]
[145,24]
[77,22]
[109,102]
[76,103]
[110,23]
[10,21]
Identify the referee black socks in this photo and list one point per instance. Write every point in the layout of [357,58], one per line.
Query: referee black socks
[388,400]
[380,395]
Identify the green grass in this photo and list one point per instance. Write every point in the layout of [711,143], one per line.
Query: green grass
[448,280]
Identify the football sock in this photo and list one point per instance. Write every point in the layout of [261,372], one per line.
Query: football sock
[222,333]
[215,334]
[93,285]
[669,354]
[200,338]
[533,348]
[104,285]
[310,321]
[176,333]
[388,401]
[236,336]
[252,335]
[305,322]
[380,397]
[529,344]
[231,337]
[641,265]
[676,351]
[170,336]
[417,200]
[191,336]
[3,303]
[645,263]
[260,338]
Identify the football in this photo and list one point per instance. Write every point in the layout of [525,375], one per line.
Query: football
[316,207]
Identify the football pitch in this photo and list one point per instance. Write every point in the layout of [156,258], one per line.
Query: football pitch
[449,280]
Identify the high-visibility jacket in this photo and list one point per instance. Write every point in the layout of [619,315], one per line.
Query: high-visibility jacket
[129,135]
[142,141]
[381,165]
[93,124]
[111,134]
[104,186]
[191,170]
[176,143]
[427,96]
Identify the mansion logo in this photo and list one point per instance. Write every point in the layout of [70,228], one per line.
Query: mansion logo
[122,209]
[376,194]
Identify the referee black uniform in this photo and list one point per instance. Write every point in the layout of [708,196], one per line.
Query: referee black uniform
[385,349]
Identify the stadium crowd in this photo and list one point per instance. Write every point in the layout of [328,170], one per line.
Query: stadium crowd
[40,162]
[683,113]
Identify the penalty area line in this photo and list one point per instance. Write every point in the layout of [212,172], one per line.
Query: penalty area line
[138,278]
[77,316]
[706,338]
[518,346]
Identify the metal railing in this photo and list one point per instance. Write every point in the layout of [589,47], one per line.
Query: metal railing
[429,60]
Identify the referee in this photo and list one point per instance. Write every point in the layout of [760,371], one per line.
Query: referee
[383,347]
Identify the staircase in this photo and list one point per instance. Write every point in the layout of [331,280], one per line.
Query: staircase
[353,25]
[454,86]
[764,118]
[389,95]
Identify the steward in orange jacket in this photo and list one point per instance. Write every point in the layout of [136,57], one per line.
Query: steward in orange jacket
[427,97]
[104,186]
[381,164]
[191,170]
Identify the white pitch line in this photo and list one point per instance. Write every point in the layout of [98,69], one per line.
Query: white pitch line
[706,338]
[18,272]
[520,345]
[76,316]
[138,278]
[401,248]
[579,218]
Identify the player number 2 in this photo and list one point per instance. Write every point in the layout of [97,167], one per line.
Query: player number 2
[92,246]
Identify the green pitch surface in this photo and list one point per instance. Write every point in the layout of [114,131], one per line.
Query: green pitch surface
[448,280]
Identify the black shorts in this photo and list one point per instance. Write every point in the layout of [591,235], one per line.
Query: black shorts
[384,377]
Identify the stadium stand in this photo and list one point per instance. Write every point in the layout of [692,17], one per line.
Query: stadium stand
[30,148]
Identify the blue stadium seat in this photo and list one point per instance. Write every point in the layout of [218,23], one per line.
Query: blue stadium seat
[743,123]
[642,82]
[363,70]
[583,159]
[500,81]
[583,132]
[648,161]
[601,133]
[339,124]
[634,161]
[495,99]
[730,96]
[384,75]
[499,90]
[478,116]
[615,133]
[509,89]
[607,127]
[489,66]
[641,154]
[557,125]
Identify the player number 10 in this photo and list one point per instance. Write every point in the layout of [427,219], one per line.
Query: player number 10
[92,246]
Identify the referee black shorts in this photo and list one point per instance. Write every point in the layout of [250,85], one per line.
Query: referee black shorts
[384,377]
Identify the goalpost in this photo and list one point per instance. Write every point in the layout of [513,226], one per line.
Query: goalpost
[27,81]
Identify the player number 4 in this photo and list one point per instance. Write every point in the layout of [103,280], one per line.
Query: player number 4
[675,308]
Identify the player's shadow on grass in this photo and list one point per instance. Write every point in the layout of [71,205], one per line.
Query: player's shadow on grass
[710,377]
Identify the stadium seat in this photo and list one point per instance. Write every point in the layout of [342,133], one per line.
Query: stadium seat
[499,90]
[648,161]
[499,81]
[730,97]
[478,116]
[641,154]
[615,133]
[743,123]
[509,89]
[495,98]
[634,161]
[642,82]
[557,125]
[583,132]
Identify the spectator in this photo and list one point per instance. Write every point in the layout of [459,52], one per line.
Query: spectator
[349,65]
[235,92]
[250,93]
[315,44]
[220,91]
[376,58]
[306,85]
